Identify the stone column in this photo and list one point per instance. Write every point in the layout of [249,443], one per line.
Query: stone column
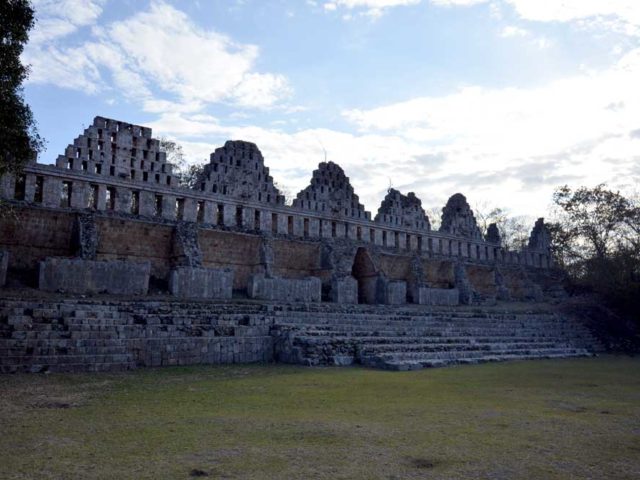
[29,187]
[79,195]
[123,200]
[169,207]
[190,211]
[230,216]
[52,191]
[314,228]
[210,212]
[147,202]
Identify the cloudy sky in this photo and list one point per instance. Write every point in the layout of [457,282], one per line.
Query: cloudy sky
[502,100]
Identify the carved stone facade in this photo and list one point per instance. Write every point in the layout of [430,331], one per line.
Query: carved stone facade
[330,193]
[403,210]
[233,231]
[237,170]
[458,218]
[118,149]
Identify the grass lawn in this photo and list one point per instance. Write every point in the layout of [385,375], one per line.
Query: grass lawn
[521,420]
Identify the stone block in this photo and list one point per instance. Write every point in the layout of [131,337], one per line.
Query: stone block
[4,266]
[75,275]
[437,296]
[190,282]
[391,292]
[344,290]
[284,289]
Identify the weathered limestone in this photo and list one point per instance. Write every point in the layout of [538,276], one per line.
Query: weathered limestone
[237,170]
[463,285]
[438,296]
[284,289]
[402,210]
[344,290]
[458,218]
[4,266]
[193,282]
[391,292]
[86,236]
[331,193]
[186,250]
[76,275]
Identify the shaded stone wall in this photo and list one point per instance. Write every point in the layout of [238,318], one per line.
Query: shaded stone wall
[295,259]
[239,252]
[76,275]
[30,235]
[135,241]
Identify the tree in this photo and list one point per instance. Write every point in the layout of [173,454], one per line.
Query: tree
[514,230]
[187,175]
[593,222]
[596,238]
[19,138]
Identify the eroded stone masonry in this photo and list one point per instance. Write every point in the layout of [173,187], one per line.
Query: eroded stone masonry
[110,218]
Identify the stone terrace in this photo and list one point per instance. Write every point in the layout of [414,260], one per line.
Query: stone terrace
[58,335]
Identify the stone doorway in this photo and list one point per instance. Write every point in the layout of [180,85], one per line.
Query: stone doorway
[364,271]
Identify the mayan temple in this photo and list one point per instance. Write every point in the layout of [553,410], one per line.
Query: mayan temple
[107,236]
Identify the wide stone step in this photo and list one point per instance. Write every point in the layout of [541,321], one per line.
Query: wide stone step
[414,364]
[470,353]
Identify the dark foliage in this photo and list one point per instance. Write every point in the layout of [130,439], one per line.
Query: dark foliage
[19,139]
[596,239]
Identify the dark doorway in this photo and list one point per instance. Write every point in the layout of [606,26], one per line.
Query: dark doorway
[364,271]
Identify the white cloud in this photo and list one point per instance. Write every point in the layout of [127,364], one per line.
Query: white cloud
[157,50]
[619,15]
[373,8]
[58,18]
[513,31]
[575,128]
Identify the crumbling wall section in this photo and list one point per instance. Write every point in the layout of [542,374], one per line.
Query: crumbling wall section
[398,210]
[237,170]
[330,192]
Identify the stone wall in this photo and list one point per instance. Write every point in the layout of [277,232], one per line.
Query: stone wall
[30,235]
[439,273]
[482,279]
[4,265]
[284,289]
[240,252]
[295,259]
[75,336]
[438,296]
[75,275]
[190,282]
[135,241]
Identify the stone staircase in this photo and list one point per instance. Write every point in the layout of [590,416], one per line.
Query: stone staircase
[414,340]
[68,336]
[63,335]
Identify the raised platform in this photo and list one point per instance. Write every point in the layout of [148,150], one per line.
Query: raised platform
[50,333]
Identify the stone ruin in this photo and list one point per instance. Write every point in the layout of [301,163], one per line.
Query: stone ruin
[402,210]
[237,170]
[110,218]
[458,218]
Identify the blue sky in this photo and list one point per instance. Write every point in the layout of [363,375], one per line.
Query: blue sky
[502,100]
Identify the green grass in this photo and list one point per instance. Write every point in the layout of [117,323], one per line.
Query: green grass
[571,419]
